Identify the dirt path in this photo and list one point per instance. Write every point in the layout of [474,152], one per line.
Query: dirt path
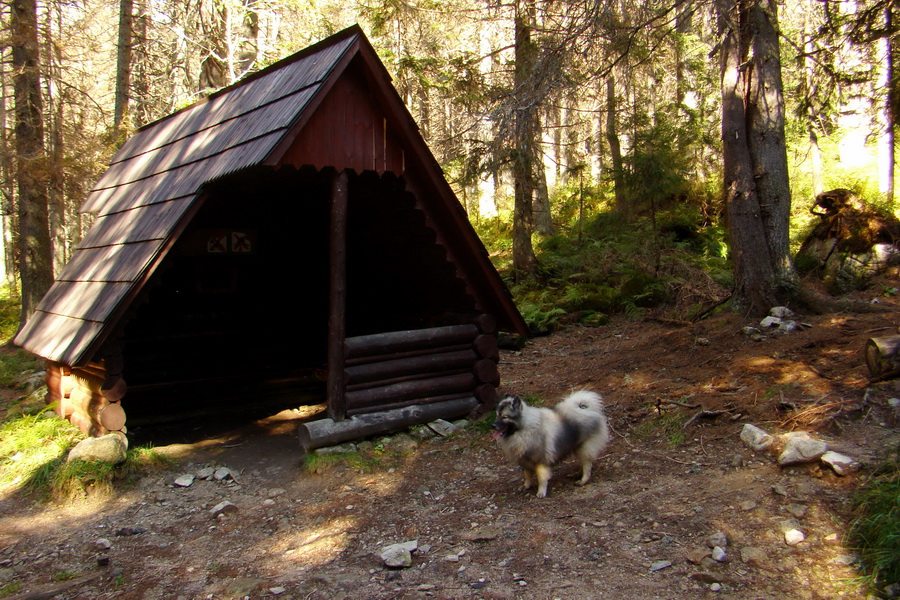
[639,529]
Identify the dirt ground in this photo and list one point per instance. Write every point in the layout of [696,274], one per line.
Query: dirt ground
[672,477]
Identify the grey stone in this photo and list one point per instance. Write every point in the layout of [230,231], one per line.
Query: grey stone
[841,464]
[770,321]
[660,565]
[347,448]
[224,507]
[792,537]
[787,326]
[442,428]
[110,448]
[718,554]
[399,555]
[717,539]
[801,449]
[223,474]
[186,480]
[755,437]
[422,433]
[782,312]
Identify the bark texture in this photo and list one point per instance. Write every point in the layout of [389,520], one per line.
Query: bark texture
[35,253]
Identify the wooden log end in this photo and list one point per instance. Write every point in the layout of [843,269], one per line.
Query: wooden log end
[112,417]
[486,346]
[487,324]
[486,371]
[114,391]
[882,356]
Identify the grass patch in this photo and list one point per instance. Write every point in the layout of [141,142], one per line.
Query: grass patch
[668,426]
[33,450]
[875,531]
[10,588]
[370,459]
[10,308]
[14,363]
[32,446]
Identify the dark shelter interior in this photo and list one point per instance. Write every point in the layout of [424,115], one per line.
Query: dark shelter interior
[236,319]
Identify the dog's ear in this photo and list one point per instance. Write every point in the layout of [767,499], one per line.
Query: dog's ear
[516,402]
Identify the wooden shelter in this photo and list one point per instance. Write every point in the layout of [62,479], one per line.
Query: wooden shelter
[289,240]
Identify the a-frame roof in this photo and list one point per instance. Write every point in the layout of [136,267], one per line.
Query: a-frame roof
[153,186]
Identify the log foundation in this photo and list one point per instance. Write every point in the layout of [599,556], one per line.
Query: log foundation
[85,397]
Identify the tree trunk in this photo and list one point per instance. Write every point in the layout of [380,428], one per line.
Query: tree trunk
[615,149]
[7,190]
[123,68]
[524,260]
[810,89]
[892,100]
[36,259]
[543,220]
[768,149]
[753,272]
[757,196]
[56,156]
[140,60]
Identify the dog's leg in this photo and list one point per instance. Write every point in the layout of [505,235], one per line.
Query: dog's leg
[543,478]
[586,468]
[528,478]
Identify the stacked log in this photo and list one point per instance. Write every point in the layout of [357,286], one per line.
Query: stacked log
[402,368]
[85,397]
[404,378]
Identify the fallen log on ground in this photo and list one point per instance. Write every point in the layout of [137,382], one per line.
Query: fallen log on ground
[327,432]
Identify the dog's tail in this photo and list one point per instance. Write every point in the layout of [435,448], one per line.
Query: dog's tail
[581,403]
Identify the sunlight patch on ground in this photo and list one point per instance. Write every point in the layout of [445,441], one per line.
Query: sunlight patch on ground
[317,545]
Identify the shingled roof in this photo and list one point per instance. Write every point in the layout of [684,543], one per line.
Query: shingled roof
[155,183]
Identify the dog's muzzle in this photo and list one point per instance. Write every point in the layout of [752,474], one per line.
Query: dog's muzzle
[501,428]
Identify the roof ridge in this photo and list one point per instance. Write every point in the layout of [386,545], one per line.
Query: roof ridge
[340,36]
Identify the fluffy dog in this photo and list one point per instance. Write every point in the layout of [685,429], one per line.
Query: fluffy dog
[538,438]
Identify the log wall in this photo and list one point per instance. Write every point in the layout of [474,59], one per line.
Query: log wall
[392,370]
[85,397]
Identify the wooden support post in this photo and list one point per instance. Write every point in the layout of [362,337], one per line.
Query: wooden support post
[337,293]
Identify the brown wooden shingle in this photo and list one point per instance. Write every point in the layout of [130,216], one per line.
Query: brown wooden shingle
[330,105]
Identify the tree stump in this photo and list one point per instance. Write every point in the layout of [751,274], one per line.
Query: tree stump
[881,356]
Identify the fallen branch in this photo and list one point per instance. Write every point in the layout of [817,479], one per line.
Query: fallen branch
[703,414]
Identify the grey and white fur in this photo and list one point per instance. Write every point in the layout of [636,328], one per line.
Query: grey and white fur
[538,438]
